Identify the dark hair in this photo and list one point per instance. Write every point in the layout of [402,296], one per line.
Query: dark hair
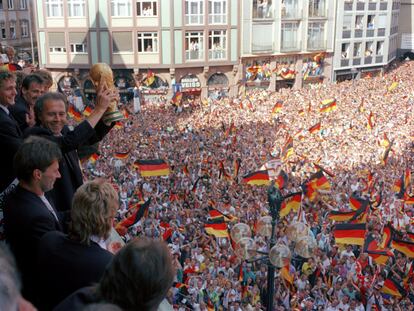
[32,78]
[102,307]
[35,153]
[40,102]
[45,75]
[139,276]
[6,75]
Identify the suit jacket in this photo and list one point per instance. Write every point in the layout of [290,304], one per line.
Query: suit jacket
[10,140]
[70,171]
[19,111]
[65,265]
[26,220]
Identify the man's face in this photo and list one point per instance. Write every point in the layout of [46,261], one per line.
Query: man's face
[48,177]
[53,116]
[8,92]
[31,94]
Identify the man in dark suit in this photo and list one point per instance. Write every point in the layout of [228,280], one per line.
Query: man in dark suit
[28,215]
[10,134]
[51,115]
[23,109]
[67,263]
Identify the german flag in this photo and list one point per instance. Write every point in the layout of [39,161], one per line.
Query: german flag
[286,275]
[94,157]
[309,191]
[405,247]
[155,167]
[353,234]
[315,128]
[121,155]
[341,216]
[125,112]
[186,171]
[236,167]
[370,124]
[409,200]
[407,179]
[287,149]
[257,178]
[194,188]
[356,203]
[385,142]
[326,171]
[387,153]
[380,255]
[292,201]
[328,105]
[281,180]
[217,227]
[398,187]
[176,99]
[136,216]
[87,111]
[149,80]
[393,287]
[393,86]
[118,125]
[387,236]
[180,285]
[319,181]
[277,108]
[215,214]
[360,215]
[74,114]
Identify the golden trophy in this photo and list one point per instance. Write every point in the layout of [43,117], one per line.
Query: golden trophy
[101,73]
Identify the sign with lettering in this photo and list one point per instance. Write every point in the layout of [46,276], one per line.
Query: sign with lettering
[190,81]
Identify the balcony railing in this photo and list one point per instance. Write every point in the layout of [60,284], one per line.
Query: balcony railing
[346,34]
[381,32]
[379,59]
[372,6]
[370,32]
[358,33]
[383,6]
[360,6]
[217,18]
[194,19]
[288,46]
[317,12]
[316,45]
[356,61]
[344,62]
[292,14]
[217,54]
[368,60]
[261,48]
[348,6]
[194,55]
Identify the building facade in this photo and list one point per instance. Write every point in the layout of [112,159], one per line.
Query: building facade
[366,37]
[17,26]
[406,27]
[189,45]
[287,43]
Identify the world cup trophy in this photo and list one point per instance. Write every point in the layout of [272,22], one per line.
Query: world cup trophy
[102,73]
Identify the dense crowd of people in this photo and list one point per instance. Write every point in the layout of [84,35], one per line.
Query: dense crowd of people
[363,142]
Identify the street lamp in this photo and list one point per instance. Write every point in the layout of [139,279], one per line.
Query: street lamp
[279,254]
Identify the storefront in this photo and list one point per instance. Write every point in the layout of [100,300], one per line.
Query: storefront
[285,73]
[313,69]
[257,73]
[190,87]
[153,89]
[218,86]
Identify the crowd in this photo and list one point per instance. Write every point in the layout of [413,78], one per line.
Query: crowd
[364,142]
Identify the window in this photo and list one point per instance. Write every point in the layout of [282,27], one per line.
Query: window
[56,42]
[78,43]
[357,49]
[3,30]
[290,8]
[148,42]
[194,12]
[345,50]
[316,35]
[121,42]
[217,11]
[380,48]
[194,45]
[23,4]
[146,8]
[347,22]
[359,24]
[24,27]
[369,48]
[263,8]
[121,8]
[371,22]
[317,8]
[12,28]
[76,8]
[217,44]
[10,4]
[290,35]
[54,8]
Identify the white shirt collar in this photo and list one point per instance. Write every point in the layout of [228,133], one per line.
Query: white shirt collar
[99,241]
[4,108]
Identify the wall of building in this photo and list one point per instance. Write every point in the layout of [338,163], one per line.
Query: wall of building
[406,27]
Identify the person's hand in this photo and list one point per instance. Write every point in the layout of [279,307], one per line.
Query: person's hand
[105,97]
[30,118]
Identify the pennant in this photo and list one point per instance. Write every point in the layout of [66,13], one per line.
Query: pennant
[353,234]
[315,128]
[257,178]
[405,247]
[156,167]
[121,155]
[277,108]
[217,227]
[328,105]
[87,111]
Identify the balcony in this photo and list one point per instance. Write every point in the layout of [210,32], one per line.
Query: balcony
[348,6]
[292,13]
[344,62]
[381,32]
[368,60]
[217,54]
[360,6]
[194,55]
[289,46]
[372,6]
[346,34]
[379,59]
[370,32]
[383,6]
[261,48]
[358,33]
[356,61]
[314,45]
[317,12]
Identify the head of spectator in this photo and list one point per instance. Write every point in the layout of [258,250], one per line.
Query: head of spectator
[36,164]
[50,112]
[10,52]
[7,88]
[10,297]
[20,75]
[94,207]
[47,79]
[32,89]
[139,276]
